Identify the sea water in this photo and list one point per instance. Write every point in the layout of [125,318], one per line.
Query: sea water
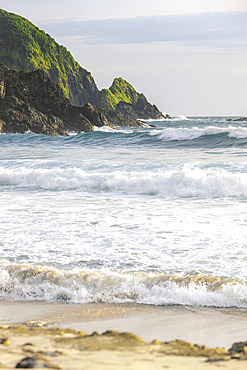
[153,215]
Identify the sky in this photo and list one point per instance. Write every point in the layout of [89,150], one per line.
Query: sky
[189,57]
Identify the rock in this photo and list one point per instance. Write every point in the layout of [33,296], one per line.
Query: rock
[92,113]
[34,363]
[32,102]
[25,47]
[123,98]
[5,341]
[115,118]
[241,119]
[238,347]
[141,109]
[2,86]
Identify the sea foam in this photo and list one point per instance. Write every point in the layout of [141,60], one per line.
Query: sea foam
[182,133]
[25,282]
[188,180]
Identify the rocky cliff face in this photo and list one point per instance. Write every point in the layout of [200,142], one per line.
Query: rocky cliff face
[2,85]
[23,46]
[32,102]
[123,98]
[140,108]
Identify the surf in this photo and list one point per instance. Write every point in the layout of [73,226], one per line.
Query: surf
[26,282]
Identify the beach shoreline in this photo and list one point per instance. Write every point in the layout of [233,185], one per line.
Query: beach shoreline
[43,335]
[214,327]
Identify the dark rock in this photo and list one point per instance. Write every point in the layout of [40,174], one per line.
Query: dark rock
[32,102]
[141,109]
[27,363]
[216,360]
[92,113]
[238,347]
[241,119]
[115,118]
[2,86]
[23,46]
[35,363]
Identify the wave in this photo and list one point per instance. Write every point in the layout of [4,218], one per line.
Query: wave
[178,134]
[181,118]
[104,129]
[188,180]
[174,134]
[26,282]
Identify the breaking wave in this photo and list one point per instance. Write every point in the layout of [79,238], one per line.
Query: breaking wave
[169,134]
[188,180]
[25,282]
[185,133]
[181,118]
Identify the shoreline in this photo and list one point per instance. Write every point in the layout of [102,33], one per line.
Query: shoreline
[40,334]
[213,327]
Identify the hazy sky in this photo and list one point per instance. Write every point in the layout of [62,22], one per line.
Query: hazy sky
[187,56]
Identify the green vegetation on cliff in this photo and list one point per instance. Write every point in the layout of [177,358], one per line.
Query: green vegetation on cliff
[120,90]
[24,46]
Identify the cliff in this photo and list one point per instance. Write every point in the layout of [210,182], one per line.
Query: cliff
[122,97]
[23,46]
[33,102]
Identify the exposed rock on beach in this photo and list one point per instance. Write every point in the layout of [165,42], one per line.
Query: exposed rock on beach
[36,347]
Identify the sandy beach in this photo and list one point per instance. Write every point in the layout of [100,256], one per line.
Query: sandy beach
[208,328]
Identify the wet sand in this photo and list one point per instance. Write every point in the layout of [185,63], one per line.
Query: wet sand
[210,327]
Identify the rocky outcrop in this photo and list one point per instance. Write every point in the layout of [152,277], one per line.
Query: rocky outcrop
[24,47]
[241,119]
[25,346]
[123,98]
[2,86]
[119,119]
[32,102]
[141,108]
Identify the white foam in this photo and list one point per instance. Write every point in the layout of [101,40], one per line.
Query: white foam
[81,286]
[104,129]
[155,120]
[170,134]
[72,133]
[238,132]
[118,129]
[181,118]
[189,180]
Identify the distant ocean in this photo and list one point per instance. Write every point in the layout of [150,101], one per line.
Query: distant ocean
[146,215]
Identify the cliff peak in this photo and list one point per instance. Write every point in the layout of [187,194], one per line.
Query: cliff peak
[24,47]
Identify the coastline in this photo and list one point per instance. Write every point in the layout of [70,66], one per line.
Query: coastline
[201,325]
[29,332]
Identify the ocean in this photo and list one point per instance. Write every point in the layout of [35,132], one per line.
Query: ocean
[152,215]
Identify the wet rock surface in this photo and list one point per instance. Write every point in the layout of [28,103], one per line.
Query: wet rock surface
[32,102]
